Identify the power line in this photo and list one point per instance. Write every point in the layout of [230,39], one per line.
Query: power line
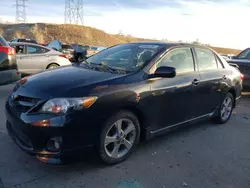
[21,16]
[73,12]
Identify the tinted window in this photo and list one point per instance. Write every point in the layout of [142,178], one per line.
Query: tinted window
[181,59]
[127,57]
[20,49]
[36,50]
[206,59]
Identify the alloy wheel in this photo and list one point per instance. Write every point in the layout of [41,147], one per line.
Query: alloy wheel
[226,108]
[120,138]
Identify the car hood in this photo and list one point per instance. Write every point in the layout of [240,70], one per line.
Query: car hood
[70,81]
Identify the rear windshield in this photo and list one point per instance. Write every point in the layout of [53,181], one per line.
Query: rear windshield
[3,42]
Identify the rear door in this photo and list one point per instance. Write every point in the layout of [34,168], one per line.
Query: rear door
[213,80]
[35,60]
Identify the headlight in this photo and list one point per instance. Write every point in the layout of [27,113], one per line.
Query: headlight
[61,105]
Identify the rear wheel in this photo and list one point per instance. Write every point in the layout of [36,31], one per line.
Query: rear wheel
[226,109]
[119,137]
[52,66]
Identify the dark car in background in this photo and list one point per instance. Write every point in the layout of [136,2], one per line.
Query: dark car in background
[8,63]
[66,49]
[242,61]
[118,95]
[24,40]
[80,52]
[94,49]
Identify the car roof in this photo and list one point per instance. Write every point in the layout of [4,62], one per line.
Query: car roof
[169,44]
[28,43]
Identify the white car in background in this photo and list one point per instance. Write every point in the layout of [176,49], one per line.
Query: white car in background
[33,58]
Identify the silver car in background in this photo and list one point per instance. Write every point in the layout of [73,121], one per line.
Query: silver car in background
[33,58]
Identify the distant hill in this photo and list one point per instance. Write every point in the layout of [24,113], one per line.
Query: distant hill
[44,33]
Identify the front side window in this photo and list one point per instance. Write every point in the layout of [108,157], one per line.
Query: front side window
[206,59]
[126,57]
[181,59]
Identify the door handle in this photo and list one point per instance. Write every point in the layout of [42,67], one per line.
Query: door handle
[195,82]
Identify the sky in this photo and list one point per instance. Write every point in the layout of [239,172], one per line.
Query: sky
[223,23]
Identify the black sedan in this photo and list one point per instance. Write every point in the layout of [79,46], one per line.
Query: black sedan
[115,97]
[242,61]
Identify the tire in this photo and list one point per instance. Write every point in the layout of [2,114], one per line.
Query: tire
[221,117]
[125,142]
[52,66]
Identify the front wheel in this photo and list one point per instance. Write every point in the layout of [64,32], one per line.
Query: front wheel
[226,109]
[119,137]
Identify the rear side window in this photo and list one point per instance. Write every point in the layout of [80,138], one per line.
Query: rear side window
[206,59]
[36,50]
[219,63]
[3,42]
[181,59]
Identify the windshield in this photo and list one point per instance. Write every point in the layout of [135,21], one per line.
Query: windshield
[126,57]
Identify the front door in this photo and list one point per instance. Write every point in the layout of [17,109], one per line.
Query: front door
[174,100]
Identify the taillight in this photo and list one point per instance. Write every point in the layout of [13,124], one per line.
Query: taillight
[7,50]
[64,56]
[241,76]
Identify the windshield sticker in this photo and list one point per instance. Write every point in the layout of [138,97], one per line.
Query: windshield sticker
[149,46]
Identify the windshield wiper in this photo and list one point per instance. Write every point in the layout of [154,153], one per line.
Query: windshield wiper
[87,64]
[103,66]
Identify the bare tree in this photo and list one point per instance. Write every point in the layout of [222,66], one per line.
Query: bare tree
[37,33]
[1,31]
[18,34]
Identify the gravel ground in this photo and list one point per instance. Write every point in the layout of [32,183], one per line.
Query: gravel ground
[203,155]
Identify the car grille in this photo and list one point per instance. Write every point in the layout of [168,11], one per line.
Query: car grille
[23,103]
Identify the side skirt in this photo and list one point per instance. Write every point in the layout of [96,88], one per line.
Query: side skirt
[151,134]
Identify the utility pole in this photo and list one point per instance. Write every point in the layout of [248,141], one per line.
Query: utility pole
[21,11]
[73,12]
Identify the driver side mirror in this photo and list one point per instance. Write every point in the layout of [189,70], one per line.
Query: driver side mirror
[165,72]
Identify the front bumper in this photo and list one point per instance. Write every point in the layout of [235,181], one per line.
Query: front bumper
[34,139]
